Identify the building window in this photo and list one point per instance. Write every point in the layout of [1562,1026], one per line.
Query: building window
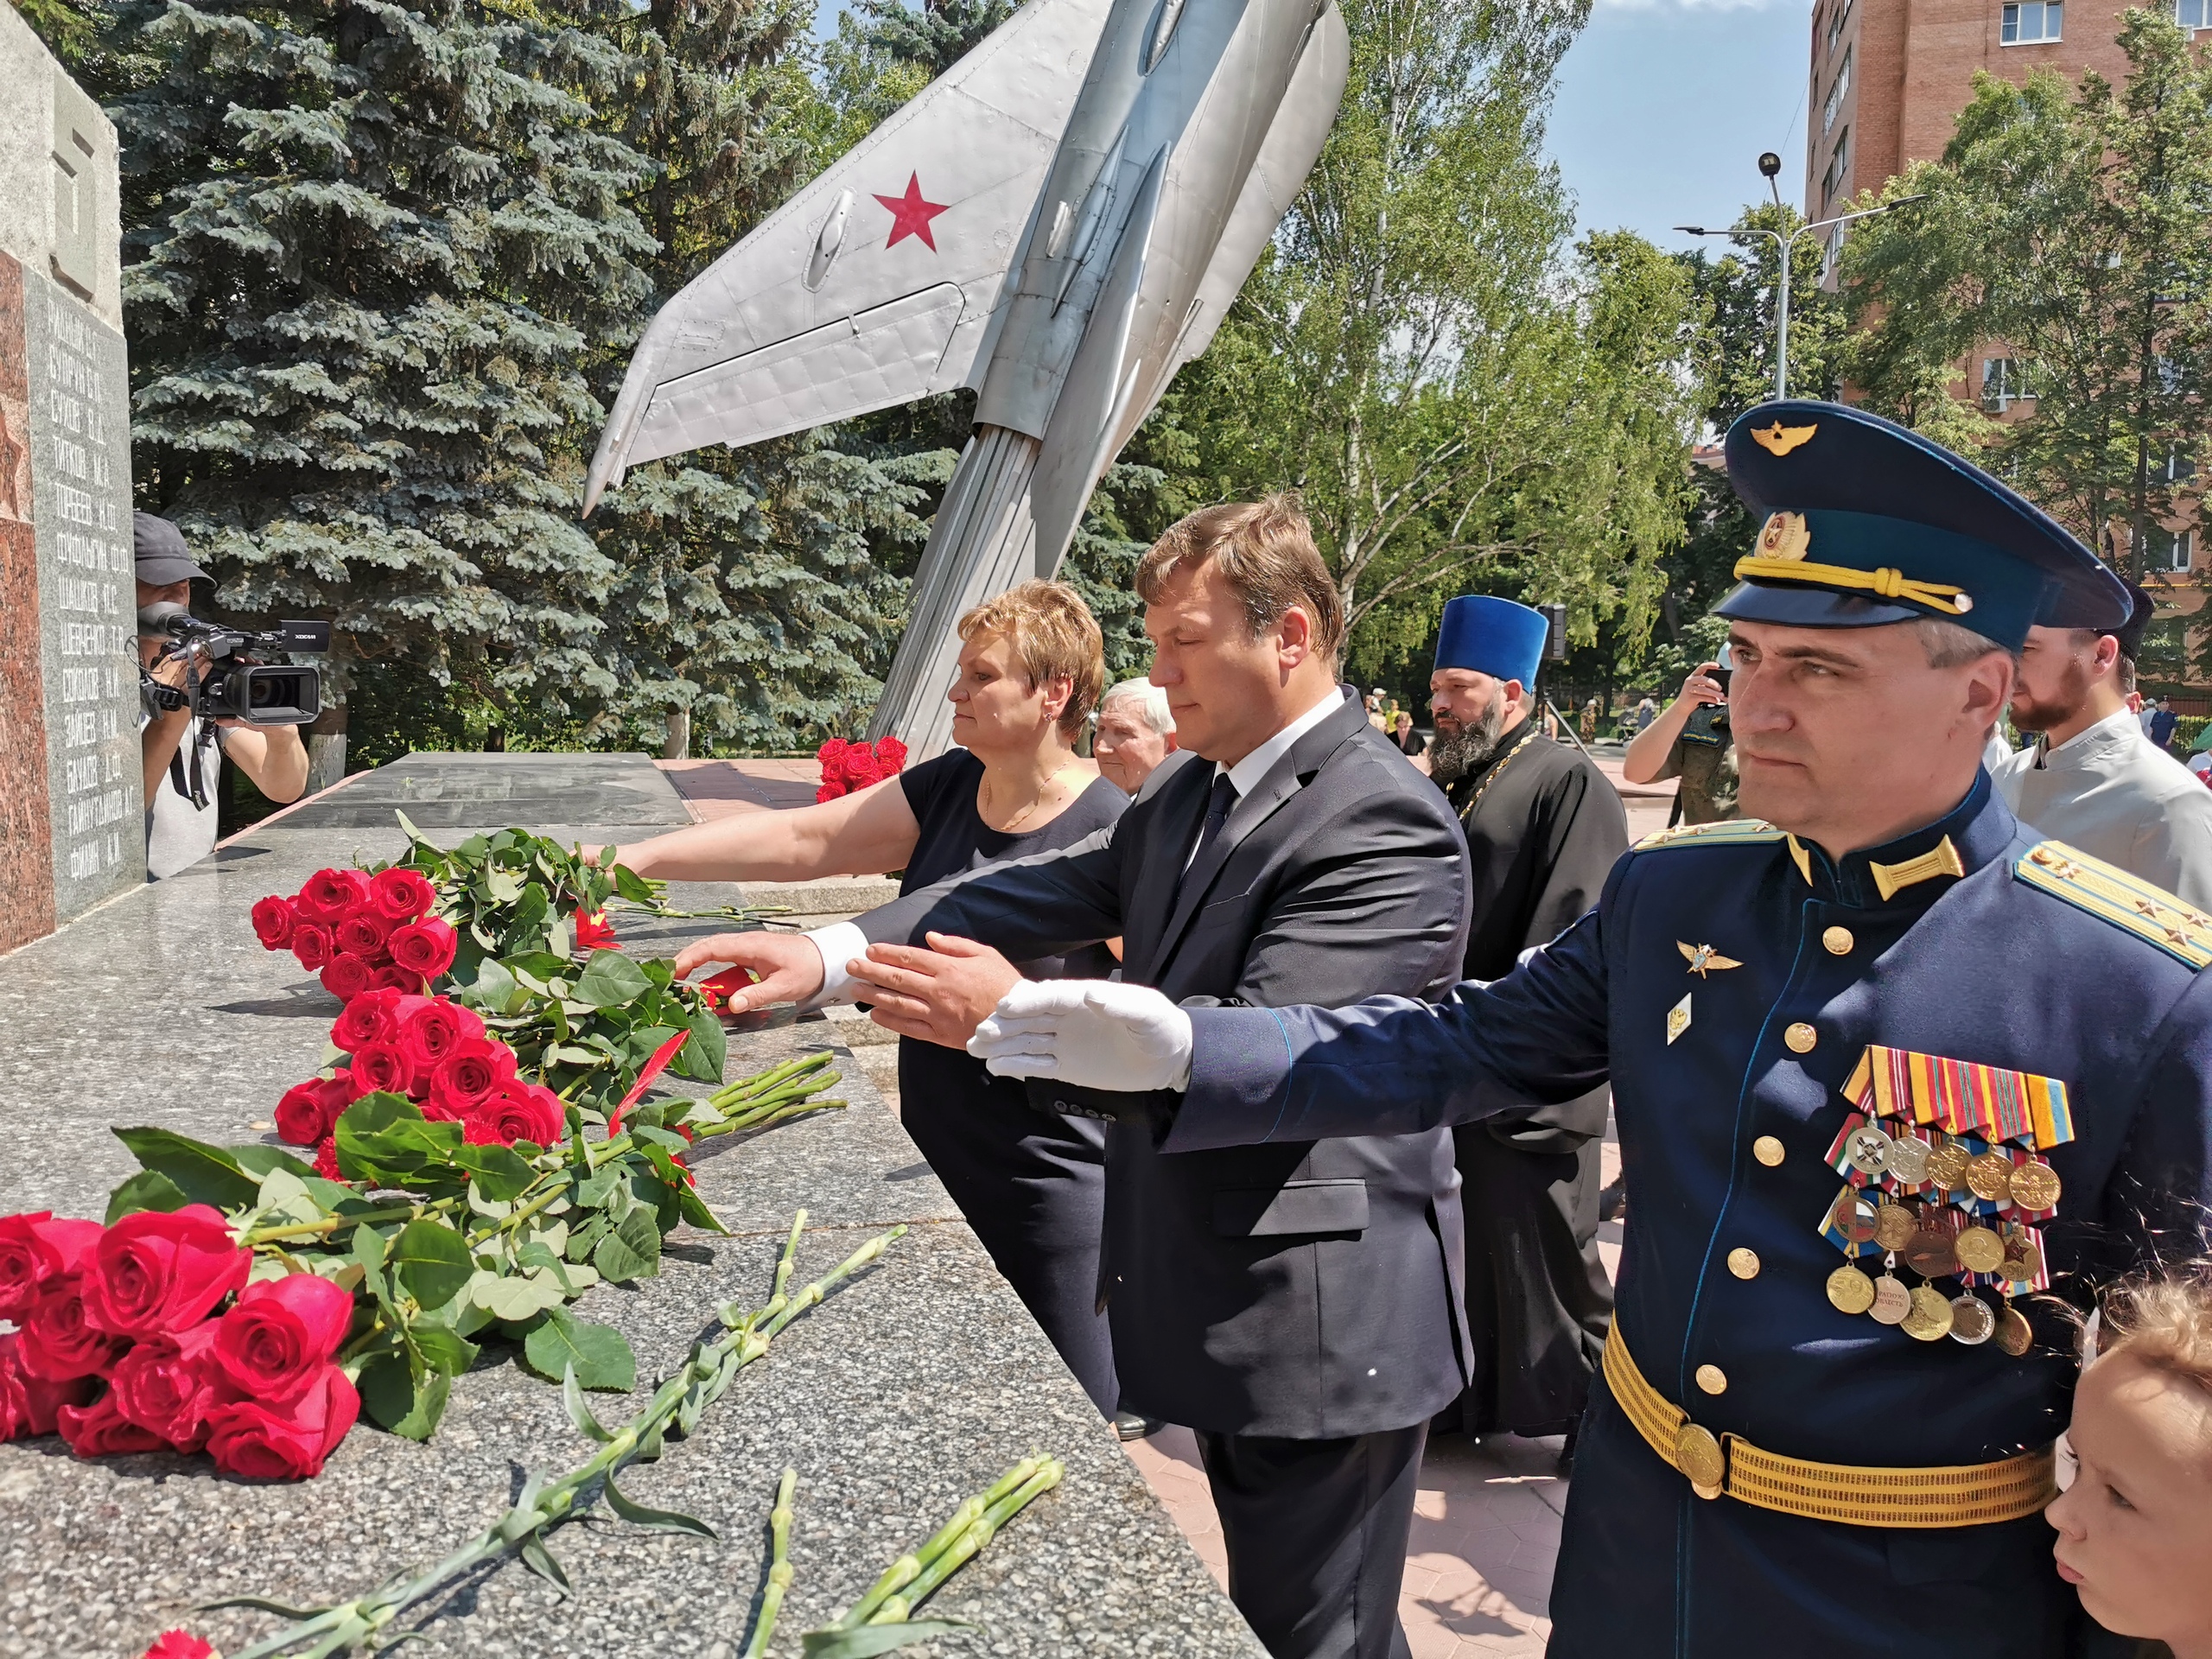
[2167,549]
[2032,22]
[1839,167]
[2193,14]
[2178,468]
[2004,383]
[1836,21]
[1842,85]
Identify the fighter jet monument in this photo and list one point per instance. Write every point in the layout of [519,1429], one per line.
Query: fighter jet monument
[1059,221]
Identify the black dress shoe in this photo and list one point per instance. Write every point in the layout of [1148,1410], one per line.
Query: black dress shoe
[1128,1426]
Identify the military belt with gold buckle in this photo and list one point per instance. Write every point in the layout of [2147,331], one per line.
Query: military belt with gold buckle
[1947,1494]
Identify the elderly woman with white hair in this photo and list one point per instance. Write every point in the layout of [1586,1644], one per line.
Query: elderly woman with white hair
[1135,732]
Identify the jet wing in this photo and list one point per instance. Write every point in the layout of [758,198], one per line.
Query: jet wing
[876,284]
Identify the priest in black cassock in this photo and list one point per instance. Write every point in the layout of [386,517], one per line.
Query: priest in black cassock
[1543,828]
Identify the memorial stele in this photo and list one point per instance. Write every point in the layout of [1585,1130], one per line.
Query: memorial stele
[72,822]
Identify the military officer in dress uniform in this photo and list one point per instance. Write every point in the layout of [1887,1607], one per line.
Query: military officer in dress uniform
[1883,1067]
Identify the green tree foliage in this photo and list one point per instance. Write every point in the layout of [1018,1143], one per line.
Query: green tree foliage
[369,249]
[1459,402]
[2070,231]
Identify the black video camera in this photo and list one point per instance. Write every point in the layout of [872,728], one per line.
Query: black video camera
[234,686]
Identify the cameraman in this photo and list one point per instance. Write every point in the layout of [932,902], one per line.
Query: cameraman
[183,752]
[1691,741]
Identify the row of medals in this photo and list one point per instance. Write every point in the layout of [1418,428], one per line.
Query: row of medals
[1924,1311]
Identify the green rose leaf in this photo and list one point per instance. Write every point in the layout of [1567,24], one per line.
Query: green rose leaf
[629,883]
[259,1160]
[632,1251]
[611,979]
[871,1639]
[598,1354]
[514,1298]
[432,1260]
[500,1174]
[442,1348]
[203,1173]
[702,1059]
[148,1190]
[406,1401]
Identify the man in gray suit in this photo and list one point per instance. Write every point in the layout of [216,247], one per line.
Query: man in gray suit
[1301,1307]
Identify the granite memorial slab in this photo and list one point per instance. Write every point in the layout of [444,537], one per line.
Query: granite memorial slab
[73,821]
[487,792]
[916,1384]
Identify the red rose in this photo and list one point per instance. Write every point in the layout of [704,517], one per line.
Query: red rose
[28,1403]
[37,1248]
[379,1066]
[401,895]
[156,1273]
[275,1341]
[468,1076]
[890,754]
[392,978]
[253,1440]
[346,975]
[362,933]
[61,1342]
[832,757]
[179,1644]
[593,932]
[425,947]
[167,1384]
[330,893]
[478,1129]
[273,922]
[101,1430]
[311,944]
[372,1017]
[861,771]
[524,1111]
[435,1029]
[326,1161]
[827,792]
[309,1110]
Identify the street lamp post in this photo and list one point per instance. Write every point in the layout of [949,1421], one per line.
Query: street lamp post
[1783,244]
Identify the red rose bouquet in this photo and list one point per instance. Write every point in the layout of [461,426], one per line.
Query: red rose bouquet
[148,1335]
[361,931]
[848,768]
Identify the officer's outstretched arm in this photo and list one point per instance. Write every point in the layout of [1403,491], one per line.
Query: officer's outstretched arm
[1392,1066]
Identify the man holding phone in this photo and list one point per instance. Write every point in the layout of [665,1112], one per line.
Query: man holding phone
[1691,741]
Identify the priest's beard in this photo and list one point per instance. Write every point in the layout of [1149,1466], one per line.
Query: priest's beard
[2069,698]
[1467,747]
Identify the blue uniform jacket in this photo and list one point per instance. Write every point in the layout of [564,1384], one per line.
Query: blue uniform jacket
[1986,968]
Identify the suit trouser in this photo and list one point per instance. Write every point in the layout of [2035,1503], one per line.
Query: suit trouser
[1316,1533]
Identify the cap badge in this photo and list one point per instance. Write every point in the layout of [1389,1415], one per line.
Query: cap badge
[1780,440]
[1785,536]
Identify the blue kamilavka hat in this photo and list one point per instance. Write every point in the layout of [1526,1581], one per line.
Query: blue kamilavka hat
[1491,636]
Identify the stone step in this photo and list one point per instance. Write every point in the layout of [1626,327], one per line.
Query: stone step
[829,895]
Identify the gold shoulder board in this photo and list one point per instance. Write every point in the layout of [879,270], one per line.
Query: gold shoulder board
[2111,894]
[1727,832]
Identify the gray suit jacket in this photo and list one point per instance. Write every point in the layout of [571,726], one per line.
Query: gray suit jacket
[1307,1291]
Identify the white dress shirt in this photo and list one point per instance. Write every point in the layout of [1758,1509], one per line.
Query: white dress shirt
[840,941]
[2111,792]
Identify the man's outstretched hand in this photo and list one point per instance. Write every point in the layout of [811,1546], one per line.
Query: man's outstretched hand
[789,966]
[1095,1033]
[938,995]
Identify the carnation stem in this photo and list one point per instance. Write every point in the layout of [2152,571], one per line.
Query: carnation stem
[779,1568]
[703,1378]
[911,1578]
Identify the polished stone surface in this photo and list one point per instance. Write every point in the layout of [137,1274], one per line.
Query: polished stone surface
[446,791]
[916,1384]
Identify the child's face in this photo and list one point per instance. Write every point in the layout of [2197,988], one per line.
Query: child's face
[2135,1527]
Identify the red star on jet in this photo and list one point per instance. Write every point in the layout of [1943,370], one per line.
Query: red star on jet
[911,215]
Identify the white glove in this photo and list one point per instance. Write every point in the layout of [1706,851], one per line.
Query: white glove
[1091,1032]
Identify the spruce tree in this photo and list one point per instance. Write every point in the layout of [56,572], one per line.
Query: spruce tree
[367,248]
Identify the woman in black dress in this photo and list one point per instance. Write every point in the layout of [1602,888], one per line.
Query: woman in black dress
[1031,1182]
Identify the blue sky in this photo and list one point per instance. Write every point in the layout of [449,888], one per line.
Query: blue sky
[1664,105]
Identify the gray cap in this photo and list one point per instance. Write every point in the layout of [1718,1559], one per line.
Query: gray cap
[163,556]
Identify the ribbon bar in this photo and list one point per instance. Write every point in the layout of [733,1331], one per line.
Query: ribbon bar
[1961,1096]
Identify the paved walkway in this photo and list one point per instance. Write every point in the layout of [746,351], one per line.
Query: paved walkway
[1479,1568]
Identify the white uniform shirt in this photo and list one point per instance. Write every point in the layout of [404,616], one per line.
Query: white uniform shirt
[2109,792]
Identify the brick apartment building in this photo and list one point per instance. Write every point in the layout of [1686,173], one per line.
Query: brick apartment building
[1888,80]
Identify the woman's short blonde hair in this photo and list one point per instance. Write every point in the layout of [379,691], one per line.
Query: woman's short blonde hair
[1052,634]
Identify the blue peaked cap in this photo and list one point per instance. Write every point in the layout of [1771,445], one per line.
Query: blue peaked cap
[1867,522]
[1492,636]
